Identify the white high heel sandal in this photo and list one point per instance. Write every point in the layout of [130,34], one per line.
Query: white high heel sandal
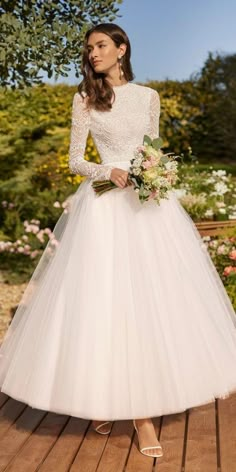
[148,447]
[100,425]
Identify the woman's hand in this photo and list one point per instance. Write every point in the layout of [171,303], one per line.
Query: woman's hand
[119,177]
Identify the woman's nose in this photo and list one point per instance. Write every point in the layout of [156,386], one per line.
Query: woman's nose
[94,53]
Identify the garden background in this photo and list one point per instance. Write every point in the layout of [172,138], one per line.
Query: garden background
[198,122]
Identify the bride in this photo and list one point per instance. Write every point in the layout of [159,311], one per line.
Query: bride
[125,316]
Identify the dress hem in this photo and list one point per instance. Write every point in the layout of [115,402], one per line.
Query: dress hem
[120,418]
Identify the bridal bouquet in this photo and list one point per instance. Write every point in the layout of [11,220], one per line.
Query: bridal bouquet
[152,173]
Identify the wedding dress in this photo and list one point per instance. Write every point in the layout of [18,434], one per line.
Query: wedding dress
[125,315]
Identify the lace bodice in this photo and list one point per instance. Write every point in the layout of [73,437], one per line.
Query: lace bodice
[117,132]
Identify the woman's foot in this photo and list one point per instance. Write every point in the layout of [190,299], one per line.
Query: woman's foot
[148,442]
[102,427]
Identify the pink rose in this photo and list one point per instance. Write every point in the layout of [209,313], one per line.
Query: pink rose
[232,254]
[146,164]
[228,270]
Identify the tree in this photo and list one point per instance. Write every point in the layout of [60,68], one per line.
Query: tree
[46,35]
[216,83]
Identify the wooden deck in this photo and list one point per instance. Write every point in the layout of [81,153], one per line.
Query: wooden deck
[201,439]
[213,228]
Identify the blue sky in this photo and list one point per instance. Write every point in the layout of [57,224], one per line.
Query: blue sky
[171,38]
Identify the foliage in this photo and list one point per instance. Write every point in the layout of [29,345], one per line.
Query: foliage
[206,194]
[201,112]
[179,112]
[41,35]
[34,172]
[222,250]
[217,87]
[34,143]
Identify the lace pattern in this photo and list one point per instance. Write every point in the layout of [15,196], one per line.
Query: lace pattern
[79,133]
[116,133]
[153,131]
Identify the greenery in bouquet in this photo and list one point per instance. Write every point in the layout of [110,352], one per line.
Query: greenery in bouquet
[152,173]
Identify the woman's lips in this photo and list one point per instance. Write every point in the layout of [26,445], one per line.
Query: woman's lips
[96,62]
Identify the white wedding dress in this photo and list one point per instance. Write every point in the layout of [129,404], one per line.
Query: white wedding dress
[125,315]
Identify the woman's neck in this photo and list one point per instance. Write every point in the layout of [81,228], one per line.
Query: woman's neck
[114,80]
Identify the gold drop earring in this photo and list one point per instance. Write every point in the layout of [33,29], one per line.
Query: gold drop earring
[120,66]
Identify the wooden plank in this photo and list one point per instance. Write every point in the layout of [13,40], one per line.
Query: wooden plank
[172,441]
[39,444]
[18,434]
[3,398]
[227,433]
[214,228]
[201,450]
[90,451]
[63,454]
[216,224]
[9,413]
[116,448]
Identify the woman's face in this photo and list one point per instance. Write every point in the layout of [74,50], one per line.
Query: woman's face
[103,53]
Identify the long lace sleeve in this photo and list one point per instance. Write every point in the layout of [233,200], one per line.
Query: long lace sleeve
[79,133]
[154,114]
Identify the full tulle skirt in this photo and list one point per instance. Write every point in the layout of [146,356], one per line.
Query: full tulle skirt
[124,317]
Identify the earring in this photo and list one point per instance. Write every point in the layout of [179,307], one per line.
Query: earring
[120,66]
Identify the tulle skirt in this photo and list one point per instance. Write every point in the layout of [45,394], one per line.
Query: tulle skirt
[124,317]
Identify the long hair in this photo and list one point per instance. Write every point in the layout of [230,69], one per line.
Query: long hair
[98,90]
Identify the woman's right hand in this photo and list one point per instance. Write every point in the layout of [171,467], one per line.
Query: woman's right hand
[119,177]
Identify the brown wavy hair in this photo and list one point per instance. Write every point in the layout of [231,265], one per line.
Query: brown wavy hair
[98,90]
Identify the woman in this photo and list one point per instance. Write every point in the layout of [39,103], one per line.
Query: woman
[125,316]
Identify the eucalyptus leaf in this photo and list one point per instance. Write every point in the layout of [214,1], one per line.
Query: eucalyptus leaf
[157,143]
[164,159]
[147,140]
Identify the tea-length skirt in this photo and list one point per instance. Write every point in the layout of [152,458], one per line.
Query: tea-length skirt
[124,317]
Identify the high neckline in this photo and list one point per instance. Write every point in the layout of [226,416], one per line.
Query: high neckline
[122,85]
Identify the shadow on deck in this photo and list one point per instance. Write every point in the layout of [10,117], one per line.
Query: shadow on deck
[201,439]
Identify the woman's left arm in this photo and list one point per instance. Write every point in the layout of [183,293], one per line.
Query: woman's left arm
[154,116]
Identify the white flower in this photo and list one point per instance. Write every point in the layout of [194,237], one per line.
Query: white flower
[56,204]
[20,249]
[170,165]
[221,188]
[136,171]
[222,249]
[210,180]
[213,243]
[31,228]
[220,204]
[137,162]
[180,192]
[209,212]
[220,173]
